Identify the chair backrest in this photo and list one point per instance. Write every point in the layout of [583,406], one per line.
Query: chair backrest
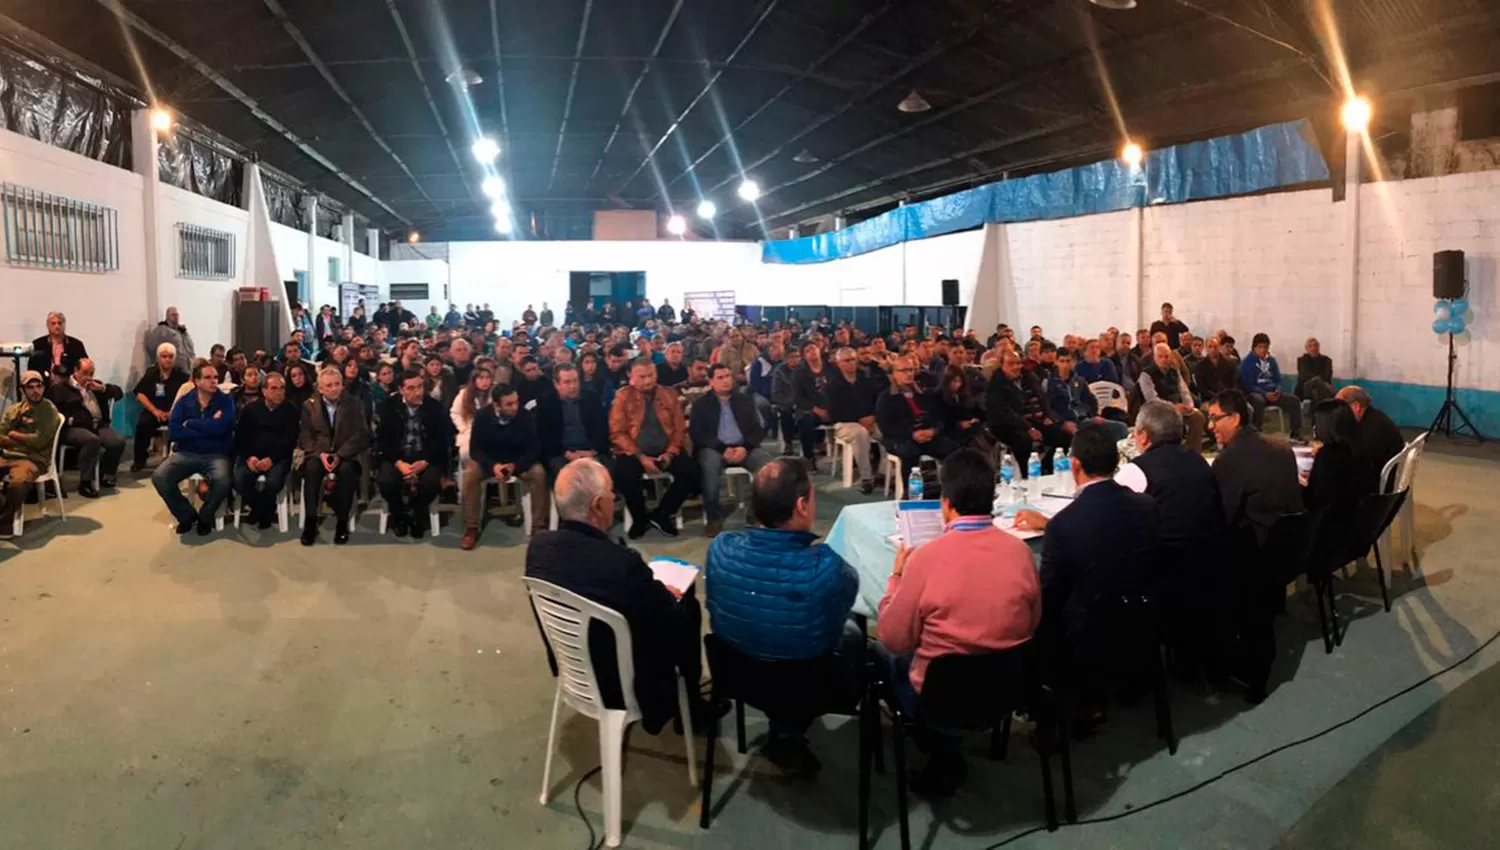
[1109,394]
[1371,518]
[1297,544]
[813,686]
[53,465]
[974,692]
[1394,469]
[1413,454]
[565,617]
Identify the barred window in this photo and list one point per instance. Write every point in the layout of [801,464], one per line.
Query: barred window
[409,291]
[204,253]
[52,232]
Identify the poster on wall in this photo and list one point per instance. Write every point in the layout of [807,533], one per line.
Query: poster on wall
[350,295]
[711,305]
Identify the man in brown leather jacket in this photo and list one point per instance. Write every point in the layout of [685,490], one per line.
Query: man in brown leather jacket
[647,433]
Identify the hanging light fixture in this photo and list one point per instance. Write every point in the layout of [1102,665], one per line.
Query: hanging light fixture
[806,157]
[749,191]
[485,149]
[676,225]
[1116,5]
[161,119]
[914,102]
[464,77]
[492,187]
[707,210]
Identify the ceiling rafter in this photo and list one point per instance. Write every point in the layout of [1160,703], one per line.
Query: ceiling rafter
[500,90]
[139,24]
[300,40]
[416,68]
[849,38]
[661,39]
[562,127]
[765,13]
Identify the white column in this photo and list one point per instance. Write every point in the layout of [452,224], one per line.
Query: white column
[144,144]
[372,242]
[1347,364]
[313,274]
[1136,262]
[346,236]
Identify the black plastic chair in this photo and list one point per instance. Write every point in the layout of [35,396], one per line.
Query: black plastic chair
[829,684]
[1374,515]
[1135,625]
[1302,544]
[978,693]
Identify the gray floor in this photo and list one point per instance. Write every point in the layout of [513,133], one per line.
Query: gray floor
[157,693]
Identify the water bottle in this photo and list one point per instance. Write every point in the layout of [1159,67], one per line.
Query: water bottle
[329,481]
[260,483]
[1063,469]
[1034,475]
[1005,480]
[914,484]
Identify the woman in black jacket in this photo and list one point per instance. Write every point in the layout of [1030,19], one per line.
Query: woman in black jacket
[299,383]
[963,418]
[1341,476]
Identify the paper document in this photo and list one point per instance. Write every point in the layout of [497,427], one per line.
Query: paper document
[919,521]
[675,574]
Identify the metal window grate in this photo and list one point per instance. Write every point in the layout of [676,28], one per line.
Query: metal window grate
[409,291]
[204,253]
[52,232]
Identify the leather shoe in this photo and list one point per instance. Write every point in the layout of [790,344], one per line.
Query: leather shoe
[470,539]
[186,525]
[665,524]
[398,526]
[341,534]
[418,528]
[264,522]
[88,491]
[205,528]
[107,482]
[638,529]
[309,535]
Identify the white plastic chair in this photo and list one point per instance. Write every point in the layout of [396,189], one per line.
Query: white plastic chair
[525,492]
[50,476]
[383,514]
[283,508]
[841,452]
[565,617]
[648,477]
[1110,394]
[193,481]
[62,456]
[893,479]
[1400,473]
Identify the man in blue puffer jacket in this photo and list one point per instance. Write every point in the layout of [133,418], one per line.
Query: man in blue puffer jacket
[775,594]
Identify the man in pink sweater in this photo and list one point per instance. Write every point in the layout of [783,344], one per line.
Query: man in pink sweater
[971,591]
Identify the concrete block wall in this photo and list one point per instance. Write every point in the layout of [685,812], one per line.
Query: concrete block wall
[1262,264]
[1074,274]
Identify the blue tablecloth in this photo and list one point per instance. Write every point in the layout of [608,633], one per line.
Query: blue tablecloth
[859,536]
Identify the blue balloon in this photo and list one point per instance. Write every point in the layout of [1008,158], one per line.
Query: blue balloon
[1455,325]
[1440,325]
[1440,305]
[1443,313]
[1460,307]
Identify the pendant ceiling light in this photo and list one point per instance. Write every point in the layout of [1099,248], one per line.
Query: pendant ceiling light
[914,102]
[806,157]
[1118,5]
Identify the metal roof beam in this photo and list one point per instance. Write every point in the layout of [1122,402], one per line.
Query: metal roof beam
[661,39]
[562,127]
[411,55]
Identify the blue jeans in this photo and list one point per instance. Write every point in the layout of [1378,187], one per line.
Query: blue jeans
[713,466]
[897,670]
[178,468]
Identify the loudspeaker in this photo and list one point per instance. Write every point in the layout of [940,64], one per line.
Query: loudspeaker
[1448,274]
[950,293]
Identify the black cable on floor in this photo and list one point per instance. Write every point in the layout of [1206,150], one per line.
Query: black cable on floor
[578,803]
[1262,757]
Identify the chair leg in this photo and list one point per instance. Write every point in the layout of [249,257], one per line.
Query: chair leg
[1045,730]
[611,755]
[1333,613]
[706,800]
[433,521]
[1385,595]
[868,717]
[739,725]
[1163,704]
[687,731]
[62,511]
[551,744]
[898,748]
[1322,617]
[1408,526]
[1000,739]
[1065,755]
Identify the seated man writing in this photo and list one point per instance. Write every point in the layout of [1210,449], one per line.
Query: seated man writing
[413,441]
[778,595]
[333,438]
[84,404]
[503,445]
[263,446]
[647,432]
[973,590]
[726,431]
[910,421]
[27,432]
[202,430]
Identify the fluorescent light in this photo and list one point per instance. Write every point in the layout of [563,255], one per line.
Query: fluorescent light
[676,225]
[707,210]
[493,187]
[485,150]
[749,190]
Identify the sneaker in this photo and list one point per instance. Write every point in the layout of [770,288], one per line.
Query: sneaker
[665,524]
[341,533]
[792,757]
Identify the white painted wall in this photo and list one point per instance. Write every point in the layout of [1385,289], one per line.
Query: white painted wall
[910,273]
[106,310]
[290,245]
[1069,275]
[206,306]
[434,273]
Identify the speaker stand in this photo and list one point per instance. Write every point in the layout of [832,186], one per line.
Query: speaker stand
[1451,417]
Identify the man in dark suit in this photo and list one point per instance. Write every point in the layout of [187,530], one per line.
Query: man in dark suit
[665,630]
[1379,438]
[1019,417]
[910,421]
[412,444]
[263,444]
[334,436]
[1103,546]
[570,425]
[56,355]
[1257,478]
[84,404]
[726,431]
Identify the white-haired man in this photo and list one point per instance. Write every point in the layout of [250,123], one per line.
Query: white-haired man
[665,629]
[156,392]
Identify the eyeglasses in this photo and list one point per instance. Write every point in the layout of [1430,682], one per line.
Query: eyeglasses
[1213,418]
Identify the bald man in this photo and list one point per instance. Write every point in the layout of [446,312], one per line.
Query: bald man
[1379,438]
[665,629]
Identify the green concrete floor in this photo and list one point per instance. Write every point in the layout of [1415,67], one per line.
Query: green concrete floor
[156,693]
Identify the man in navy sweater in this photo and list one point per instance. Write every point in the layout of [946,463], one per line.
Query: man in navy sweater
[1260,378]
[202,431]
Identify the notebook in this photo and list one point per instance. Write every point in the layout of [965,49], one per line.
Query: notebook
[677,575]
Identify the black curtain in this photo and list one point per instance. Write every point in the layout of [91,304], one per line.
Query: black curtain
[41,98]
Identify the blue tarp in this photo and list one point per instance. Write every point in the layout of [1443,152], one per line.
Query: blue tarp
[1264,158]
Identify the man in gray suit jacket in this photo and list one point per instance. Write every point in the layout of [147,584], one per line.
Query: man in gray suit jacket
[334,436]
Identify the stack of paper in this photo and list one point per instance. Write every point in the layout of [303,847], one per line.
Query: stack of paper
[677,575]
